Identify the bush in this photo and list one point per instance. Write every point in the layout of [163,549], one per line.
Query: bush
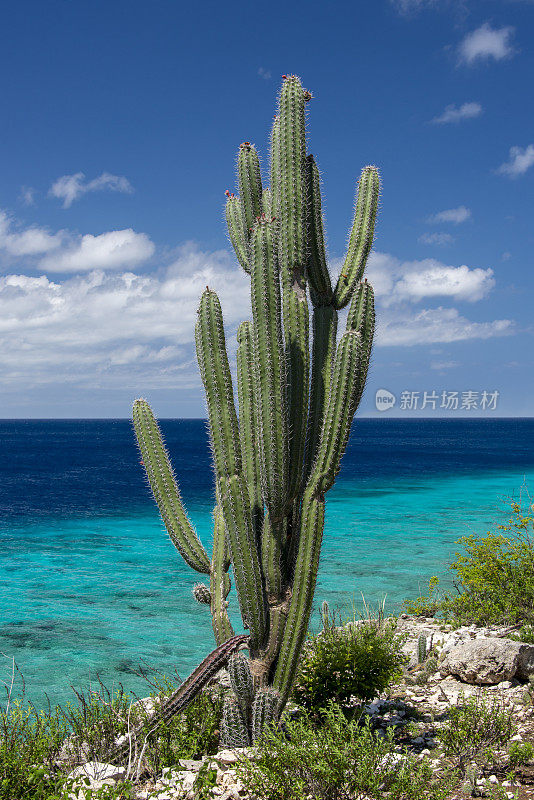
[191,734]
[30,741]
[475,728]
[348,664]
[337,761]
[520,753]
[494,578]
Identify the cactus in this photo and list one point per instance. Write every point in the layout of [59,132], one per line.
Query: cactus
[421,648]
[279,452]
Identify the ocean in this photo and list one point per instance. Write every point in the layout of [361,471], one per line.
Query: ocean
[90,584]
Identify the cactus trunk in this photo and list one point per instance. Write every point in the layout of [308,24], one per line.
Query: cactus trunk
[277,456]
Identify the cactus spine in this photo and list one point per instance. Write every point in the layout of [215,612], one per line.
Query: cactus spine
[276,457]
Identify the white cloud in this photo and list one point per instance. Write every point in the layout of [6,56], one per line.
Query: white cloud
[71,187]
[520,159]
[454,215]
[111,250]
[485,43]
[441,366]
[435,325]
[412,6]
[264,73]
[398,281]
[453,114]
[115,329]
[27,195]
[436,238]
[27,242]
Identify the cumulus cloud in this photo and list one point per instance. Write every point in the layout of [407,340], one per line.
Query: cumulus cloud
[486,43]
[111,250]
[71,187]
[454,215]
[454,114]
[436,238]
[520,159]
[114,328]
[264,73]
[26,242]
[398,281]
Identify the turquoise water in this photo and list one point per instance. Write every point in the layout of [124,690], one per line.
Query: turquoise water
[90,584]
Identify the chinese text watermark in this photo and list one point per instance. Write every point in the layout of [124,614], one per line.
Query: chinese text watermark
[434,401]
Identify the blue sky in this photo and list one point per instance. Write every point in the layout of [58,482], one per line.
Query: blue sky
[119,128]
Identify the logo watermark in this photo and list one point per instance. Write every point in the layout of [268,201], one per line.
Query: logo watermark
[437,401]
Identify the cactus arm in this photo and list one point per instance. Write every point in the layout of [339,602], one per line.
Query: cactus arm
[217,380]
[306,568]
[267,202]
[220,581]
[249,178]
[275,166]
[361,236]
[340,406]
[245,558]
[264,712]
[319,277]
[234,729]
[242,682]
[165,489]
[361,318]
[248,423]
[291,180]
[296,327]
[324,326]
[269,369]
[237,229]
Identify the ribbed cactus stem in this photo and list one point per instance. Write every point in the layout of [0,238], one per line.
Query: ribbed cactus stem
[269,368]
[217,380]
[237,229]
[264,712]
[361,236]
[243,547]
[318,274]
[234,729]
[220,580]
[249,423]
[249,178]
[242,683]
[165,489]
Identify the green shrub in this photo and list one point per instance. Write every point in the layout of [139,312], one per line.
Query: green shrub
[337,760]
[191,734]
[348,664]
[475,729]
[30,741]
[520,753]
[493,578]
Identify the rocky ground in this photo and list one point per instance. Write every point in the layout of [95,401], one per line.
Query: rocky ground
[445,666]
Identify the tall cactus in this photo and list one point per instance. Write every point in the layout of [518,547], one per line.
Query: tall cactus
[279,453]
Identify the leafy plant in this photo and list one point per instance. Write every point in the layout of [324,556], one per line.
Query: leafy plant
[474,729]
[520,753]
[337,760]
[190,735]
[493,578]
[348,663]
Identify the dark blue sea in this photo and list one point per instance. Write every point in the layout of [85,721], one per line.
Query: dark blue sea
[90,584]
